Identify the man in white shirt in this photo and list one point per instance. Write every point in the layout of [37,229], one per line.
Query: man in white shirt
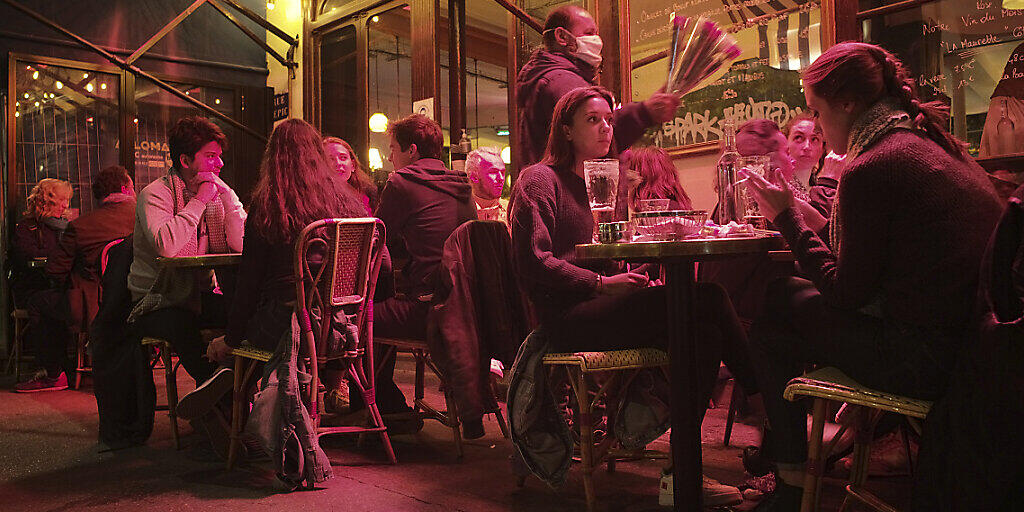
[188,212]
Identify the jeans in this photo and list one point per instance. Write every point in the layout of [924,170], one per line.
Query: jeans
[48,331]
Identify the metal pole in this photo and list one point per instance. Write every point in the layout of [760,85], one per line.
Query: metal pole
[262,22]
[456,68]
[163,32]
[245,30]
[131,68]
[521,14]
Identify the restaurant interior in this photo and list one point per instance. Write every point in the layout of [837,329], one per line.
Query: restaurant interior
[89,85]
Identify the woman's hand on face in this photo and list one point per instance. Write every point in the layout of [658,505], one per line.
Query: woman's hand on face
[622,283]
[772,198]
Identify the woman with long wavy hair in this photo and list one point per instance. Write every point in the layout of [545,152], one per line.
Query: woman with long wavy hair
[653,176]
[890,299]
[296,187]
[343,159]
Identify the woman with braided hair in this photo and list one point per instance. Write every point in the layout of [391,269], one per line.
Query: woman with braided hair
[889,301]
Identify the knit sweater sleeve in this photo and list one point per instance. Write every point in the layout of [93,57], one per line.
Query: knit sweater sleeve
[533,219]
[234,220]
[853,277]
[166,231]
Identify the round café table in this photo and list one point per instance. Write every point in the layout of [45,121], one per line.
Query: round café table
[678,258]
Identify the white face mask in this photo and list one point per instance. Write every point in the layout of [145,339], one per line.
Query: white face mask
[588,49]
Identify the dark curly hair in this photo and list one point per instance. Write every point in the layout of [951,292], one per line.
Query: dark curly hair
[420,130]
[190,134]
[109,181]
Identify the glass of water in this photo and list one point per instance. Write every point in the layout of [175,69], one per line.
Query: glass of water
[754,164]
[602,178]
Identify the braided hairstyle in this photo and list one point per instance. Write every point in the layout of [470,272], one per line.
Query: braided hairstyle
[866,73]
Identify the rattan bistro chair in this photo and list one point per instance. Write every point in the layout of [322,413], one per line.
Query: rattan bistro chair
[830,383]
[343,282]
[620,366]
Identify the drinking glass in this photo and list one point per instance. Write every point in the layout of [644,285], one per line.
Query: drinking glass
[755,164]
[602,178]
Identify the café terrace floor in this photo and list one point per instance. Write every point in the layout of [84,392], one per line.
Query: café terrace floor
[50,461]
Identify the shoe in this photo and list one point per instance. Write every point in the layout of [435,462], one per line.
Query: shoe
[402,421]
[201,400]
[40,382]
[888,456]
[336,402]
[786,498]
[715,493]
[755,463]
[473,429]
[215,428]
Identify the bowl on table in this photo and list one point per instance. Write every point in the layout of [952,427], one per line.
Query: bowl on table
[669,225]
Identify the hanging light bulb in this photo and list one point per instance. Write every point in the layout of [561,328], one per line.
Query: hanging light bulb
[378,123]
[89,87]
[375,160]
[17,114]
[35,75]
[59,85]
[103,86]
[506,155]
[270,5]
[85,75]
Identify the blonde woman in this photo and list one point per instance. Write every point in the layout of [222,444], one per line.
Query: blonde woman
[36,236]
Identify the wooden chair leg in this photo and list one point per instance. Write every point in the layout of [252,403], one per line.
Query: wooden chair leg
[585,421]
[237,397]
[369,398]
[814,469]
[501,422]
[452,412]
[730,418]
[171,382]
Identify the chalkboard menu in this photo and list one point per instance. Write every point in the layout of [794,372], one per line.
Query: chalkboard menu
[968,54]
[778,37]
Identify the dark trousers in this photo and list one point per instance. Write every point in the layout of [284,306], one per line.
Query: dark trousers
[638,319]
[392,318]
[48,332]
[799,328]
[180,327]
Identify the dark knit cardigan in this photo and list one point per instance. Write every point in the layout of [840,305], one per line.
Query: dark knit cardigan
[914,222]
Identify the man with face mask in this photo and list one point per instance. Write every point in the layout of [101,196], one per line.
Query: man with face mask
[571,58]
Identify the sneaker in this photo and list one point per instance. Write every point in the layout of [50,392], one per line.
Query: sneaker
[715,493]
[336,402]
[40,382]
[888,456]
[201,400]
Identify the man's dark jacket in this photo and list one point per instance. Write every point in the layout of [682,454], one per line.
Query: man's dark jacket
[545,78]
[421,205]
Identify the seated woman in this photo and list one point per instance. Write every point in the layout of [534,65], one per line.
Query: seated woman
[816,172]
[586,307]
[296,187]
[652,175]
[889,300]
[34,237]
[354,179]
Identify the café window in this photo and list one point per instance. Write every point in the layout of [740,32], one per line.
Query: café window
[65,126]
[968,55]
[778,38]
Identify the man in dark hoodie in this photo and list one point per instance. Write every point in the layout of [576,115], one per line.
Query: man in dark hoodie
[571,58]
[421,204]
